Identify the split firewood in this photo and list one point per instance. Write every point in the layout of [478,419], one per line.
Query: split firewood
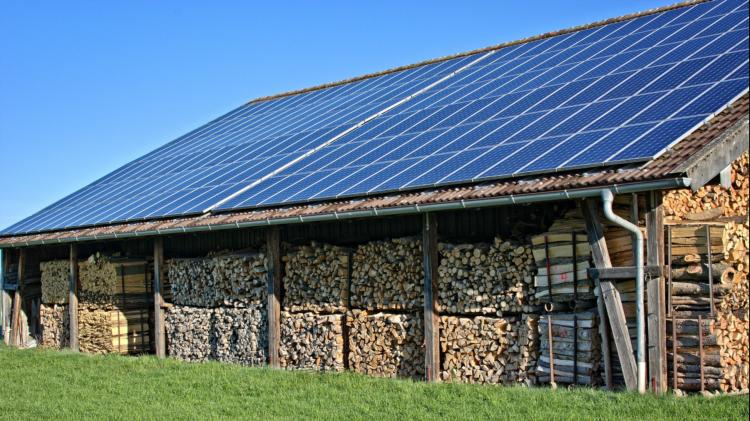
[103,330]
[189,332]
[55,281]
[110,280]
[316,278]
[312,341]
[55,325]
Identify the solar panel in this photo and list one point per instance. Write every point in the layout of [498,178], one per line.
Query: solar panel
[615,94]
[208,164]
[609,95]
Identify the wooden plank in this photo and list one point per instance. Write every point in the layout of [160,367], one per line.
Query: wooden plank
[610,295]
[15,327]
[159,333]
[73,298]
[273,240]
[656,320]
[624,272]
[431,317]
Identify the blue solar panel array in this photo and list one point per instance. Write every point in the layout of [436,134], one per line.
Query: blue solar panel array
[613,94]
[202,167]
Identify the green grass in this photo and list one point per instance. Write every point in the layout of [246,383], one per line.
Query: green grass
[63,385]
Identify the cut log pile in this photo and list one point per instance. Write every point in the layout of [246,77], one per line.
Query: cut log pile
[55,284]
[575,345]
[388,275]
[103,330]
[228,279]
[109,280]
[316,279]
[486,279]
[189,332]
[489,350]
[712,201]
[562,257]
[312,341]
[386,345]
[55,323]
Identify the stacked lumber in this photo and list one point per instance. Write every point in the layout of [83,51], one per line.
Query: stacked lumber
[712,201]
[489,350]
[239,335]
[55,284]
[576,350]
[689,334]
[316,278]
[312,341]
[55,323]
[111,280]
[189,332]
[104,330]
[485,279]
[388,275]
[562,259]
[386,345]
[234,279]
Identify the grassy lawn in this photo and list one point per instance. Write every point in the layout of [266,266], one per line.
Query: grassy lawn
[63,385]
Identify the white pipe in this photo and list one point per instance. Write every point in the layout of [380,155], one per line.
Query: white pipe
[607,199]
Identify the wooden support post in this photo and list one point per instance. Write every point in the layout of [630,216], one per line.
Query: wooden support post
[73,298]
[15,328]
[160,343]
[5,296]
[431,316]
[656,317]
[273,247]
[610,295]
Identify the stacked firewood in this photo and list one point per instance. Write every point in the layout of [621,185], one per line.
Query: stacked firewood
[711,200]
[386,345]
[685,335]
[189,332]
[486,279]
[55,322]
[736,239]
[55,281]
[312,341]
[388,275]
[230,279]
[238,335]
[575,345]
[489,350]
[316,278]
[562,256]
[109,280]
[731,330]
[104,330]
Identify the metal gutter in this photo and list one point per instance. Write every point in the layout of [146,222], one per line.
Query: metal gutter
[670,183]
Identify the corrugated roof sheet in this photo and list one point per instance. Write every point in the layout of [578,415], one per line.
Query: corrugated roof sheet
[660,168]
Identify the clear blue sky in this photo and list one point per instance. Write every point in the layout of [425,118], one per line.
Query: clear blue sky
[88,86]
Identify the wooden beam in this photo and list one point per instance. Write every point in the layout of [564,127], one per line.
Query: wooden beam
[15,328]
[610,295]
[624,272]
[273,247]
[431,316]
[5,299]
[160,343]
[73,297]
[656,317]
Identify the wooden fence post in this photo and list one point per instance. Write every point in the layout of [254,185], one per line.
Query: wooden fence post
[657,321]
[73,298]
[431,316]
[273,248]
[159,340]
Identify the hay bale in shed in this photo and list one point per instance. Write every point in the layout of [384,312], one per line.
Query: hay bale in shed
[55,323]
[386,345]
[388,275]
[55,281]
[312,341]
[189,332]
[103,330]
[239,335]
[316,278]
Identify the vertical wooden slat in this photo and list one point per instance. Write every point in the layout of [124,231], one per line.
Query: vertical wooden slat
[431,317]
[159,341]
[15,329]
[657,325]
[610,295]
[73,298]
[274,295]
